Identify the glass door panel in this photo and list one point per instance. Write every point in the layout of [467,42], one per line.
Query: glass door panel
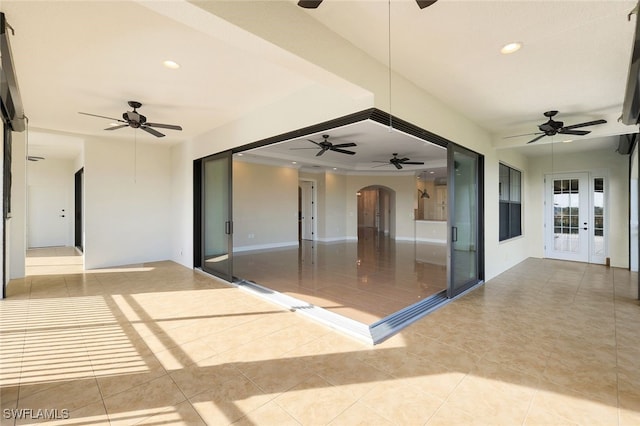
[217,225]
[568,217]
[463,220]
[598,233]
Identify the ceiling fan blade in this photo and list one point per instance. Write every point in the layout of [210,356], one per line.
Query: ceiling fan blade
[344,145]
[154,132]
[412,162]
[309,4]
[322,151]
[34,158]
[102,116]
[403,160]
[425,3]
[398,166]
[117,127]
[343,151]
[588,123]
[316,143]
[574,132]
[524,134]
[537,139]
[164,126]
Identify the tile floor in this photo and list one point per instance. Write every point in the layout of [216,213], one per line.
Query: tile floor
[544,343]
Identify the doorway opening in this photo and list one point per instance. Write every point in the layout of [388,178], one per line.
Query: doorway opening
[368,264]
[79,220]
[576,217]
[306,210]
[375,211]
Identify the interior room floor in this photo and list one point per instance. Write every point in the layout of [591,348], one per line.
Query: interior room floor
[365,280]
[546,342]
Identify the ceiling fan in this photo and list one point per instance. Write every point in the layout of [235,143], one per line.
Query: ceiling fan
[552,127]
[325,146]
[398,162]
[136,120]
[313,4]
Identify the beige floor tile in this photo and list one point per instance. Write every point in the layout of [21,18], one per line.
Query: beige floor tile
[268,414]
[136,404]
[196,379]
[315,401]
[361,415]
[401,403]
[506,353]
[93,414]
[182,414]
[229,403]
[69,395]
[567,406]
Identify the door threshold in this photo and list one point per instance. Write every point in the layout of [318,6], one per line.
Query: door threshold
[373,334]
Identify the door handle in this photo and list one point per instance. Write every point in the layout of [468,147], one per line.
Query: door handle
[228,228]
[454,233]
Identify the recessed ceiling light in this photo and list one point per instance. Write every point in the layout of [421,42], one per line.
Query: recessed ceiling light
[335,168]
[240,154]
[171,64]
[568,141]
[431,172]
[294,162]
[113,124]
[510,48]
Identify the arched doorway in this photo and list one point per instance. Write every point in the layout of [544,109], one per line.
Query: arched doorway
[375,211]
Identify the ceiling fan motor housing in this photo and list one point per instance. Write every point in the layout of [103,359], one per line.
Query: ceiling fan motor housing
[134,119]
[551,127]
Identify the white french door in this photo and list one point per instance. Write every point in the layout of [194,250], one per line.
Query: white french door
[575,217]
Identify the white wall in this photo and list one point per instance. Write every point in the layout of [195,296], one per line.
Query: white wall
[617,215]
[59,173]
[265,206]
[127,202]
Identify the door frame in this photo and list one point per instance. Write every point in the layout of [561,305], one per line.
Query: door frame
[589,256]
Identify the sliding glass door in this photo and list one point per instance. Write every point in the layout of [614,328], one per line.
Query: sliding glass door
[217,224]
[464,237]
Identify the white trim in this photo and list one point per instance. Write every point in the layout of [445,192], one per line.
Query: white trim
[430,240]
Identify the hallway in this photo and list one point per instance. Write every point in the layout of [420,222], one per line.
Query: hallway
[546,342]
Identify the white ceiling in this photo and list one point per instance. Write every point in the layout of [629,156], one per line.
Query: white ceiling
[375,146]
[93,56]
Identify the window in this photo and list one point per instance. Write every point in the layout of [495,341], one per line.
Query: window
[510,189]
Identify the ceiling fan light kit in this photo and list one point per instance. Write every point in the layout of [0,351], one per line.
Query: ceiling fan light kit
[135,120]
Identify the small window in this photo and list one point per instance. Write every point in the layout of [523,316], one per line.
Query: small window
[510,190]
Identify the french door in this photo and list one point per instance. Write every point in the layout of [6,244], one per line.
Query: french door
[216,214]
[575,227]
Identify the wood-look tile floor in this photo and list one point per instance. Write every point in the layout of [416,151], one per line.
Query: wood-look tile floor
[365,280]
[544,343]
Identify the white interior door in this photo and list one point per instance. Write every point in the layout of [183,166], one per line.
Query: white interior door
[308,214]
[567,222]
[48,216]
